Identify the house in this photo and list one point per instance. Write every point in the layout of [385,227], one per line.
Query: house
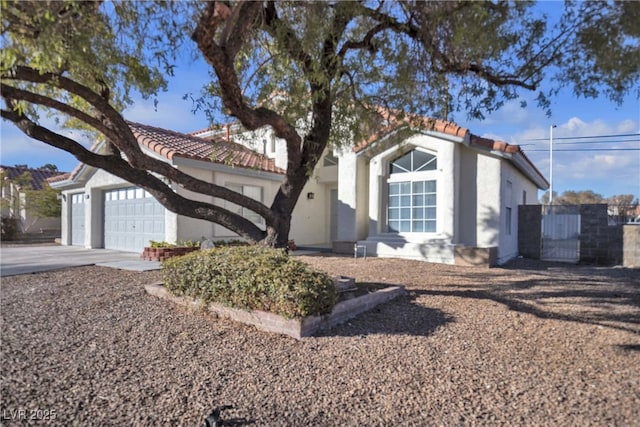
[21,187]
[434,192]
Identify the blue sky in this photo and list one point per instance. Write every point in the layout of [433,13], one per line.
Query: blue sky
[605,172]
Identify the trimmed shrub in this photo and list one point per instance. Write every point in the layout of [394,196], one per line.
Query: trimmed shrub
[9,228]
[251,278]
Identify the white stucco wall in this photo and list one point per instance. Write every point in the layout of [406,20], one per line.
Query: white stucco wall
[190,228]
[488,200]
[310,220]
[512,196]
[269,189]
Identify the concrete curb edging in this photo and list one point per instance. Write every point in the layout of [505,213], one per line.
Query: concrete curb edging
[295,328]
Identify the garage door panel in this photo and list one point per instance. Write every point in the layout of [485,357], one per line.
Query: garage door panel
[131,220]
[77,219]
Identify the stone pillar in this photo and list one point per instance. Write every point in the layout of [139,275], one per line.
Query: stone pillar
[529,232]
[631,245]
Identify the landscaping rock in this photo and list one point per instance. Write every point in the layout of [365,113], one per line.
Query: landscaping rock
[535,344]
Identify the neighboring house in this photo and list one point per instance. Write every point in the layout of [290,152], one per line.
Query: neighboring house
[19,184]
[438,194]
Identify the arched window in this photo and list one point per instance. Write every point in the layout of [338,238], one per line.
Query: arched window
[412,193]
[414,161]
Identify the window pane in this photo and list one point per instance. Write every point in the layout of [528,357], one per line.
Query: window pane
[412,207]
[414,161]
[394,188]
[235,187]
[254,192]
[423,161]
[402,164]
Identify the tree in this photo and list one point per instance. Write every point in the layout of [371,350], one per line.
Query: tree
[623,207]
[338,64]
[49,167]
[570,197]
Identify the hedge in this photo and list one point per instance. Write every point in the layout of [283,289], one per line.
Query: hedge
[251,278]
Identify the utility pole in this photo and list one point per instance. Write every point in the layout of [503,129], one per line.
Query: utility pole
[551,164]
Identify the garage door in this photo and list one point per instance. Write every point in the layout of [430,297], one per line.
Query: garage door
[77,219]
[132,217]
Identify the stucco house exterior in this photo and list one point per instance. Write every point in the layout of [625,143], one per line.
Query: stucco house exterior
[436,193]
[19,185]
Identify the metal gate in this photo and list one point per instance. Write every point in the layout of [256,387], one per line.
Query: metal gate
[561,233]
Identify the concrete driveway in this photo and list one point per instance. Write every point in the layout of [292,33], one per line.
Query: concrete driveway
[27,259]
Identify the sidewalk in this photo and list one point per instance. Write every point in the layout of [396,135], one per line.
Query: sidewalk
[28,259]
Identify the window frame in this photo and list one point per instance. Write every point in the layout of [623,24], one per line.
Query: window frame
[240,210]
[412,177]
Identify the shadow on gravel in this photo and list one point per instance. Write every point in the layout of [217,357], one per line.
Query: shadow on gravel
[629,347]
[401,316]
[608,297]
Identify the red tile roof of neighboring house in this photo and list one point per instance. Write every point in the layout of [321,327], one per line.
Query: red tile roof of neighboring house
[38,176]
[170,144]
[61,177]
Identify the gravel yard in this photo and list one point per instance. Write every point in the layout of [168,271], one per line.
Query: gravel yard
[531,344]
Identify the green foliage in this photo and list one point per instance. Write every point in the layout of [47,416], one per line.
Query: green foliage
[320,74]
[251,278]
[195,243]
[43,203]
[155,244]
[9,228]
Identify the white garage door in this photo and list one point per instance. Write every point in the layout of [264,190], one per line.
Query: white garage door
[132,217]
[77,219]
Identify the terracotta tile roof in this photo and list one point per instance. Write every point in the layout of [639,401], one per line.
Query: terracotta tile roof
[448,128]
[61,177]
[494,145]
[426,123]
[170,144]
[38,176]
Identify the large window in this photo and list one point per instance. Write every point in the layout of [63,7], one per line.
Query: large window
[412,193]
[250,191]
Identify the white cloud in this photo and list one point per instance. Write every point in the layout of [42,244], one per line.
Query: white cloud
[605,172]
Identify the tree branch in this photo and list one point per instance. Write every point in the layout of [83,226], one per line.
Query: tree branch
[120,135]
[14,93]
[119,167]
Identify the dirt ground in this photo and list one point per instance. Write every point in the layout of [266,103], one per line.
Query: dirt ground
[528,344]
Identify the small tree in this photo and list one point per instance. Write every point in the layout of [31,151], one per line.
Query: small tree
[335,62]
[623,207]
